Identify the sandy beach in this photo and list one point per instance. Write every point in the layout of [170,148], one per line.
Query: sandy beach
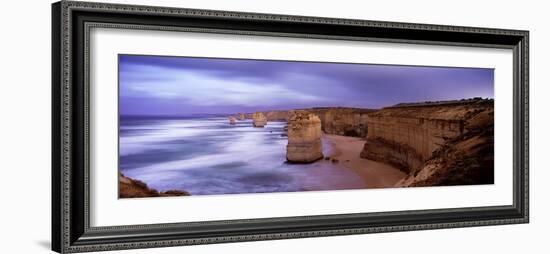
[375,174]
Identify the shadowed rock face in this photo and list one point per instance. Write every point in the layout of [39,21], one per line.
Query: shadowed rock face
[399,155]
[465,159]
[304,138]
[437,144]
[232,120]
[259,119]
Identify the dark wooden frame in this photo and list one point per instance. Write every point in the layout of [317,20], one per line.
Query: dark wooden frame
[71,22]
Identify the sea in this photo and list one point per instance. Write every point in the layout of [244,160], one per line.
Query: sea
[205,155]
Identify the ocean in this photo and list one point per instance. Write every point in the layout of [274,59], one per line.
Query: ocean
[205,155]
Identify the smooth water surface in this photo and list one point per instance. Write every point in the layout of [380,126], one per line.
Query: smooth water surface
[207,155]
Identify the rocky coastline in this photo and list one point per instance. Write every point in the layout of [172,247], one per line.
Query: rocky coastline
[433,143]
[409,144]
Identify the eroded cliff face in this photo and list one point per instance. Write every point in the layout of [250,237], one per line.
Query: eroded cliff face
[465,159]
[340,121]
[343,121]
[436,144]
[278,115]
[271,116]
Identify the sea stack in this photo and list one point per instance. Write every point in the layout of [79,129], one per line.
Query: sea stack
[232,120]
[241,116]
[304,138]
[259,119]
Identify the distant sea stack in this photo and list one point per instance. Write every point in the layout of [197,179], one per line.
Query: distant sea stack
[241,116]
[304,137]
[259,119]
[232,120]
[436,143]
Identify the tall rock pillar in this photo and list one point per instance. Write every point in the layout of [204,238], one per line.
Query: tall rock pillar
[259,119]
[304,138]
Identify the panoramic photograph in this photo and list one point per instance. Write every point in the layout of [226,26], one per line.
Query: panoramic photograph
[214,126]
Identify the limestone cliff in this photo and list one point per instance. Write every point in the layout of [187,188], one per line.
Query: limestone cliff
[277,115]
[343,121]
[334,120]
[436,143]
[304,137]
[131,188]
[465,159]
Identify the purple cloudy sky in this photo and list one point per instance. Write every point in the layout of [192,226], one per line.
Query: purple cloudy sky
[157,85]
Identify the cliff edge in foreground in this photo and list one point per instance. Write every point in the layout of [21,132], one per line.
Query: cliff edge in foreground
[435,143]
[131,188]
[465,159]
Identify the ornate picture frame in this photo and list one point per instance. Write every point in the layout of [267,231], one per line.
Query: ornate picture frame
[71,24]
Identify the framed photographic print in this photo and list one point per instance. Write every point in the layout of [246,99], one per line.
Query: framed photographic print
[181,126]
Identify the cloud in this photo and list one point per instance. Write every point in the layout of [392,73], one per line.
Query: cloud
[201,89]
[158,84]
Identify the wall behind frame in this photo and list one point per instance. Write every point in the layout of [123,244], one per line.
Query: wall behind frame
[25,125]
